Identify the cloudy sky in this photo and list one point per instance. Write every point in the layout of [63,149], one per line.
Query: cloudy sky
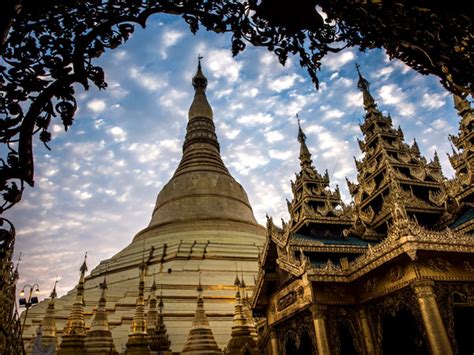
[97,187]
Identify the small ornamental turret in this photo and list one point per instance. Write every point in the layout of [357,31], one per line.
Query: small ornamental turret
[200,337]
[159,339]
[99,338]
[387,158]
[313,202]
[137,343]
[152,314]
[241,341]
[47,341]
[74,332]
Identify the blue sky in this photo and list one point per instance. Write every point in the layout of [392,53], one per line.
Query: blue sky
[97,187]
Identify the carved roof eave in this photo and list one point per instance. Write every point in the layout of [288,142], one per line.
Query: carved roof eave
[310,246]
[392,247]
[322,220]
[261,276]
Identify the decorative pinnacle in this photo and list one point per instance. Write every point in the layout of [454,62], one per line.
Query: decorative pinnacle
[199,288]
[103,285]
[199,80]
[242,282]
[53,294]
[83,268]
[301,135]
[363,85]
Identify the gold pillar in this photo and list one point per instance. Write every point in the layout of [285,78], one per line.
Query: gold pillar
[366,332]
[319,321]
[437,336]
[274,341]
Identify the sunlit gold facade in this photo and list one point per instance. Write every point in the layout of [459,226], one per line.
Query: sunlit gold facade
[390,274]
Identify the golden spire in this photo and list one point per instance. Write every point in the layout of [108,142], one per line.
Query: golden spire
[48,325]
[99,338]
[138,338]
[152,314]
[305,155]
[200,107]
[200,337]
[74,331]
[159,340]
[369,102]
[241,337]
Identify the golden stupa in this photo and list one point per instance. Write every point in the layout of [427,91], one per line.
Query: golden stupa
[202,223]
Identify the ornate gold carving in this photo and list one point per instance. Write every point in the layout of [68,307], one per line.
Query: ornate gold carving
[396,273]
[438,264]
[286,300]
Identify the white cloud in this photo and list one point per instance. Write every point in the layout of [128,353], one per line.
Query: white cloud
[283,82]
[148,81]
[221,64]
[171,37]
[335,61]
[333,113]
[96,105]
[274,136]
[255,119]
[433,101]
[281,154]
[383,72]
[118,133]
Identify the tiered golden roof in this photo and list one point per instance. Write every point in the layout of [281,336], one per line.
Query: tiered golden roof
[99,340]
[392,171]
[200,338]
[313,201]
[75,331]
[462,187]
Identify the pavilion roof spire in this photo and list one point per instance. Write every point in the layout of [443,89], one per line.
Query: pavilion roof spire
[305,155]
[369,103]
[200,107]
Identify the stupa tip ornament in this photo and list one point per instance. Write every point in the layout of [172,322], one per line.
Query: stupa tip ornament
[200,107]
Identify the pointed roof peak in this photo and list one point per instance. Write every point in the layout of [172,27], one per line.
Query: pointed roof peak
[301,135]
[103,284]
[369,103]
[199,79]
[83,268]
[200,107]
[53,294]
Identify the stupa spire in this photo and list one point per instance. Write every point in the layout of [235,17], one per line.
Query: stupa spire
[99,338]
[159,339]
[200,337]
[137,343]
[201,182]
[241,340]
[49,340]
[200,107]
[74,331]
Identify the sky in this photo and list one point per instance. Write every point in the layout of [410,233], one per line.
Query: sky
[97,187]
